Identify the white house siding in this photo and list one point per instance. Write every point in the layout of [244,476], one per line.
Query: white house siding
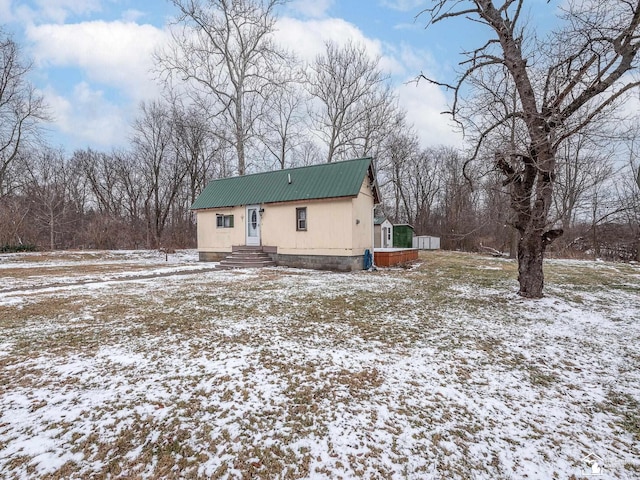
[212,239]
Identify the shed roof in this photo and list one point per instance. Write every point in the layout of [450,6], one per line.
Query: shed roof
[328,180]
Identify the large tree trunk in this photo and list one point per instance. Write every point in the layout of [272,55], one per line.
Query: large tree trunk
[531,186]
[531,247]
[530,256]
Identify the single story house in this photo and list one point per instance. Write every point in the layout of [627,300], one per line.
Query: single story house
[383,229]
[320,216]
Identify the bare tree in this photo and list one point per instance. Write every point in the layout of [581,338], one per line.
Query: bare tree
[47,188]
[225,52]
[628,189]
[562,84]
[283,122]
[14,220]
[132,179]
[21,108]
[154,151]
[403,151]
[424,183]
[102,176]
[634,201]
[197,149]
[380,119]
[458,204]
[583,166]
[348,85]
[496,232]
[635,205]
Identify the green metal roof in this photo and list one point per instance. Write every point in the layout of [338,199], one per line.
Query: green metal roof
[328,180]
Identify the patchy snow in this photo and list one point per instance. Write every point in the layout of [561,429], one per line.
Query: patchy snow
[278,373]
[88,257]
[52,271]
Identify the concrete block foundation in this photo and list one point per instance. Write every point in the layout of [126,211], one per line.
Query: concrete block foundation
[316,262]
[211,256]
[320,262]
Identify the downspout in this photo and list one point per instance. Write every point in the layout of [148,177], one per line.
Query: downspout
[373,239]
[373,218]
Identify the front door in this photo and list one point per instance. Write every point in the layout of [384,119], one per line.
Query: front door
[253,225]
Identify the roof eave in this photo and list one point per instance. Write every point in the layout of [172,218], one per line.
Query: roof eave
[298,200]
[374,184]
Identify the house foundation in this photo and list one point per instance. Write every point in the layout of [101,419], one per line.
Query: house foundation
[320,262]
[315,262]
[211,256]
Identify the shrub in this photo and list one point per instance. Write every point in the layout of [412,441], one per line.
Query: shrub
[17,248]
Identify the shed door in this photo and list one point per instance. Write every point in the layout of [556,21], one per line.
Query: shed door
[253,225]
[386,237]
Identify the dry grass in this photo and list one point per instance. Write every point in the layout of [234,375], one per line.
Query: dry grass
[435,371]
[79,270]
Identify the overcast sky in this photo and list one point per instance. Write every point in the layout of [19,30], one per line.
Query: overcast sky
[93,58]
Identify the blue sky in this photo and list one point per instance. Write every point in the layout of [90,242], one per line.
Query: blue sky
[92,58]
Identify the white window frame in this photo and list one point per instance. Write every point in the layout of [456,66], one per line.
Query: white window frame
[301,220]
[224,221]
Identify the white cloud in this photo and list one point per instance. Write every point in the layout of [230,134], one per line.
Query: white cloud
[424,103]
[403,5]
[409,26]
[307,39]
[87,118]
[6,15]
[108,56]
[416,60]
[132,15]
[117,53]
[57,11]
[311,9]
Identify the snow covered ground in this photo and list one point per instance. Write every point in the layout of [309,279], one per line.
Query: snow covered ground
[438,371]
[52,269]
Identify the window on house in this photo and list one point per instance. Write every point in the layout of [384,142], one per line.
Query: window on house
[301,219]
[224,221]
[388,234]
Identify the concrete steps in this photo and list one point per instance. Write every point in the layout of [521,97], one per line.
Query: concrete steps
[246,257]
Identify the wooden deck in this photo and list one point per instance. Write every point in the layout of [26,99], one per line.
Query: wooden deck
[387,257]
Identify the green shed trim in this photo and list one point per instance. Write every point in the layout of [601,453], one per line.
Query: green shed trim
[328,180]
[402,235]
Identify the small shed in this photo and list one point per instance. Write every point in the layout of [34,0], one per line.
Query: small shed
[383,231]
[403,236]
[426,242]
